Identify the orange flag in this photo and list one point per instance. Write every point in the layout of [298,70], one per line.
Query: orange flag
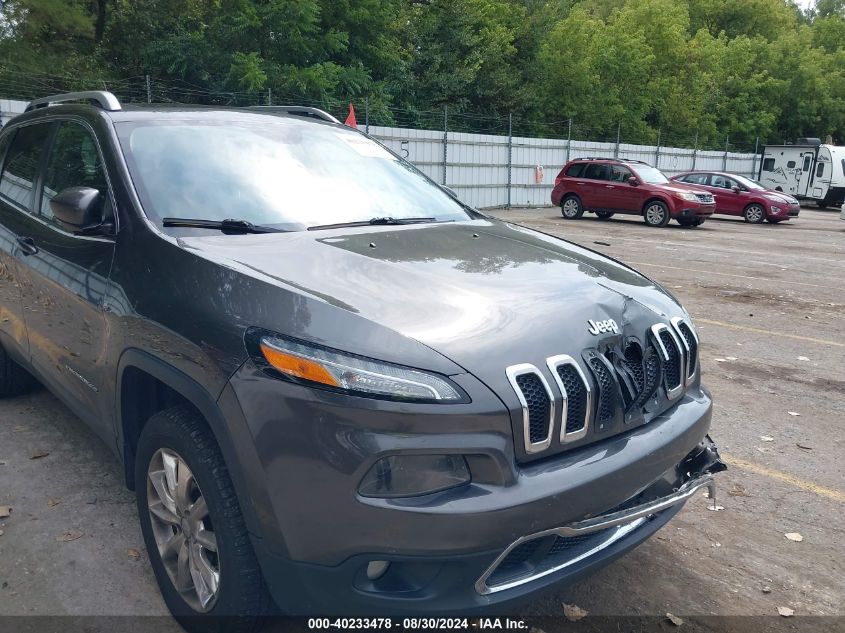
[350,119]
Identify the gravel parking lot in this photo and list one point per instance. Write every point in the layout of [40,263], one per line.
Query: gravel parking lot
[769,302]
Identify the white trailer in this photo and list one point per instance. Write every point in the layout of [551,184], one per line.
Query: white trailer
[809,170]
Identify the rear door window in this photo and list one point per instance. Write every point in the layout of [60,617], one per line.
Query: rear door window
[20,169]
[74,162]
[597,171]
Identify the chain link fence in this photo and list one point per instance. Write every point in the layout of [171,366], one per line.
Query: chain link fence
[489,160]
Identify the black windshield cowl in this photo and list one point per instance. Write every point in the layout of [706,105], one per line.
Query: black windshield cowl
[374,222]
[226,226]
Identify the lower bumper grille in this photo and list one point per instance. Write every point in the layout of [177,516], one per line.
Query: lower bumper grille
[541,556]
[532,557]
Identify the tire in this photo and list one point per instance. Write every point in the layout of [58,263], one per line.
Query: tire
[571,208]
[754,214]
[179,438]
[656,214]
[14,379]
[773,221]
[821,204]
[604,215]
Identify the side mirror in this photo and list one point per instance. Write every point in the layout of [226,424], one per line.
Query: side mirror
[450,191]
[736,189]
[79,210]
[633,181]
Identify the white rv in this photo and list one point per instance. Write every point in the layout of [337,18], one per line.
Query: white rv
[808,170]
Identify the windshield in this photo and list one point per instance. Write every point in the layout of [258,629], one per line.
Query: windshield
[748,183]
[279,172]
[651,175]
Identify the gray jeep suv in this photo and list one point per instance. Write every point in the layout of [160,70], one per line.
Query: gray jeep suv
[334,387]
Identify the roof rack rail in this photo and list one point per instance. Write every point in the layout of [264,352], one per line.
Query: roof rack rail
[314,113]
[100,98]
[619,160]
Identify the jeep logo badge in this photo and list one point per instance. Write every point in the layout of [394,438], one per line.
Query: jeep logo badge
[602,327]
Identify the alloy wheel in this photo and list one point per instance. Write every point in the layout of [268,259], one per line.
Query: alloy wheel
[755,214]
[570,208]
[655,214]
[183,530]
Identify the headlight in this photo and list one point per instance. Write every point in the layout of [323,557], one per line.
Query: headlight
[307,363]
[688,196]
[774,198]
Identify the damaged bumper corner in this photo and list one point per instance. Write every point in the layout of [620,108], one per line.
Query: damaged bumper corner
[589,537]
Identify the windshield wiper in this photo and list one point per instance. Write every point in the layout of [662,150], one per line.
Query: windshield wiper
[373,221]
[227,226]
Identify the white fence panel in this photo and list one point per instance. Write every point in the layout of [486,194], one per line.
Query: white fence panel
[476,166]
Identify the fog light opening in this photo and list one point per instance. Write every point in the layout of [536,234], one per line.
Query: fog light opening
[376,569]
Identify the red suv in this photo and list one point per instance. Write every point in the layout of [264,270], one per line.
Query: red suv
[738,195]
[606,186]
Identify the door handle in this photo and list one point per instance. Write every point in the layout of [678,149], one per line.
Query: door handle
[27,245]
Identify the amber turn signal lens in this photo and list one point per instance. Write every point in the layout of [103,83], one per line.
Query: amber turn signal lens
[297,367]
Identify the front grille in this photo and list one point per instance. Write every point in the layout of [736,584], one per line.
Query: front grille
[692,347]
[705,198]
[606,393]
[576,398]
[672,372]
[539,404]
[617,384]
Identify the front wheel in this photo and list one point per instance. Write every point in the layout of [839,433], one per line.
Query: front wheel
[193,528]
[656,214]
[754,214]
[821,204]
[571,208]
[604,215]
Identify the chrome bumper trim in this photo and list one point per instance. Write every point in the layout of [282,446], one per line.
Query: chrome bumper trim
[625,522]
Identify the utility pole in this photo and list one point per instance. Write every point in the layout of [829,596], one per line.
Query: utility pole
[445,139]
[149,90]
[569,140]
[754,162]
[510,155]
[269,96]
[618,137]
[725,159]
[657,151]
[694,151]
[367,115]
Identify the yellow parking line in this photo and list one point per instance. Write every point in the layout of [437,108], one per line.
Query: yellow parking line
[746,328]
[710,272]
[809,486]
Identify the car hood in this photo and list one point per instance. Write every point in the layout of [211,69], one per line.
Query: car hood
[779,195]
[676,187]
[483,293]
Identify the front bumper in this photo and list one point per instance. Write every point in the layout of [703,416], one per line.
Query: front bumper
[692,210]
[316,535]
